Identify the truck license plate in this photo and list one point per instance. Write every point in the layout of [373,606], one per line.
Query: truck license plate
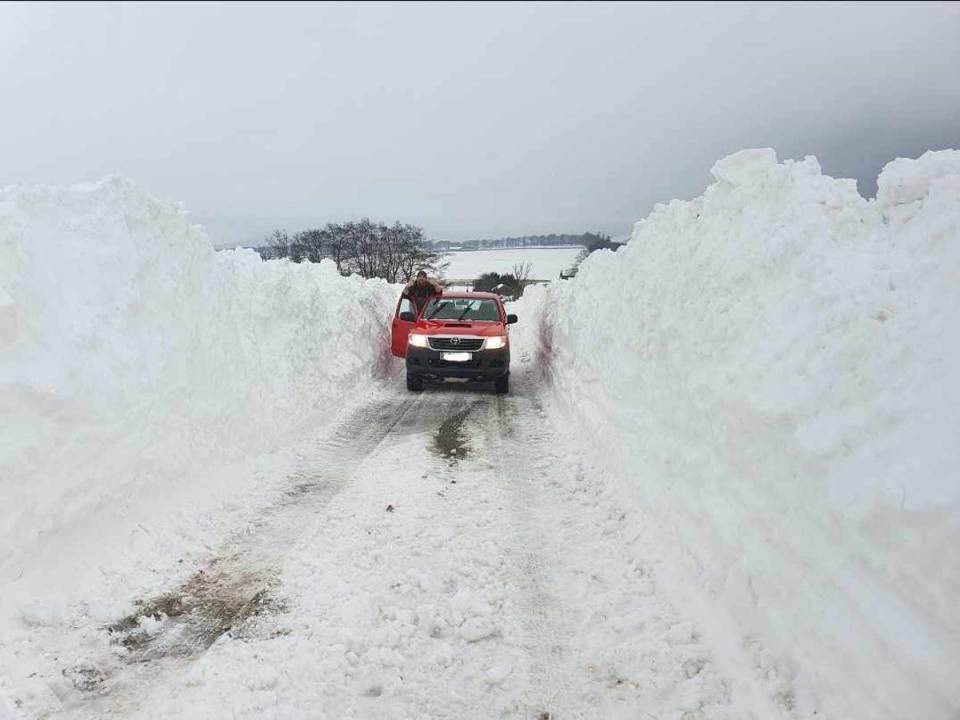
[457,357]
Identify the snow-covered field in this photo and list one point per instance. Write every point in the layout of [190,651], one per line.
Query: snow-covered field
[725,484]
[547,262]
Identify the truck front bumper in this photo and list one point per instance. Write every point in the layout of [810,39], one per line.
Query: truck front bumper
[484,365]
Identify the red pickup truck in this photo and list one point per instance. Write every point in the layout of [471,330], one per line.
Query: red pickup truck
[457,335]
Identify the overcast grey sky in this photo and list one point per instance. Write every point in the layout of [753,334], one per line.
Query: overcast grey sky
[470,120]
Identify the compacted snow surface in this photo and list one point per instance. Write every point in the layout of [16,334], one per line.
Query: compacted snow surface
[402,574]
[724,484]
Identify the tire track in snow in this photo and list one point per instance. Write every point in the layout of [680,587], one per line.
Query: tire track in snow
[640,655]
[553,690]
[604,639]
[165,633]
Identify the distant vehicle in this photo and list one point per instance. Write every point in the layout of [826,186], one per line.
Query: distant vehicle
[568,273]
[458,335]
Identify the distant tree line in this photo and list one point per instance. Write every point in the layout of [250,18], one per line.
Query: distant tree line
[585,239]
[371,249]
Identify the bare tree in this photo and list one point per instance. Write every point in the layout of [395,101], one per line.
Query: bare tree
[522,271]
[278,244]
[313,244]
[297,253]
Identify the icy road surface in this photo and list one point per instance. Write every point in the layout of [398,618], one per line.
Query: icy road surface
[437,555]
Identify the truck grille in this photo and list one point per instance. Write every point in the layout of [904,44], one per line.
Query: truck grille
[456,344]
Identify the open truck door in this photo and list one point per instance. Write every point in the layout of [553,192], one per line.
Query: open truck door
[403,322]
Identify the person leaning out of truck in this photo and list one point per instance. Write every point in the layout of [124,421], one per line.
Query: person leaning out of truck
[421,289]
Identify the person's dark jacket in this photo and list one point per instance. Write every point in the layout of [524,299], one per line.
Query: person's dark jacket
[420,294]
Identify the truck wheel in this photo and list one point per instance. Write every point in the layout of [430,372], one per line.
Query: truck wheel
[502,385]
[414,384]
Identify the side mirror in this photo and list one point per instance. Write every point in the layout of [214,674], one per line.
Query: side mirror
[408,316]
[511,319]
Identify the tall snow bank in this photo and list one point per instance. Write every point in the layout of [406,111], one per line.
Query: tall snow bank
[772,368]
[131,352]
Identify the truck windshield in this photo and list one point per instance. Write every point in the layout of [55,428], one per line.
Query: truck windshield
[466,309]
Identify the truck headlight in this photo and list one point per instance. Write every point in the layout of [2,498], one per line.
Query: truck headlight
[496,342]
[417,340]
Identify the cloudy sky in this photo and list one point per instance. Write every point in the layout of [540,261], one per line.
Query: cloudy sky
[470,120]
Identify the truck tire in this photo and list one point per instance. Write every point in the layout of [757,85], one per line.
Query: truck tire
[501,385]
[414,384]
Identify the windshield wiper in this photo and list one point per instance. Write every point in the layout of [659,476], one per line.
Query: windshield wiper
[462,314]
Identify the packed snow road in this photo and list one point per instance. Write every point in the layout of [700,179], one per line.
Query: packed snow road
[436,556]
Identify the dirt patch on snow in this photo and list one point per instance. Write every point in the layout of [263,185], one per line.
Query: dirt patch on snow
[188,620]
[450,440]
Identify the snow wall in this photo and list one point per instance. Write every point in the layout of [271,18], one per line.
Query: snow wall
[131,352]
[773,370]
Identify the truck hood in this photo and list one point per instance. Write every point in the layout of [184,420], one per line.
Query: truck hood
[449,327]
